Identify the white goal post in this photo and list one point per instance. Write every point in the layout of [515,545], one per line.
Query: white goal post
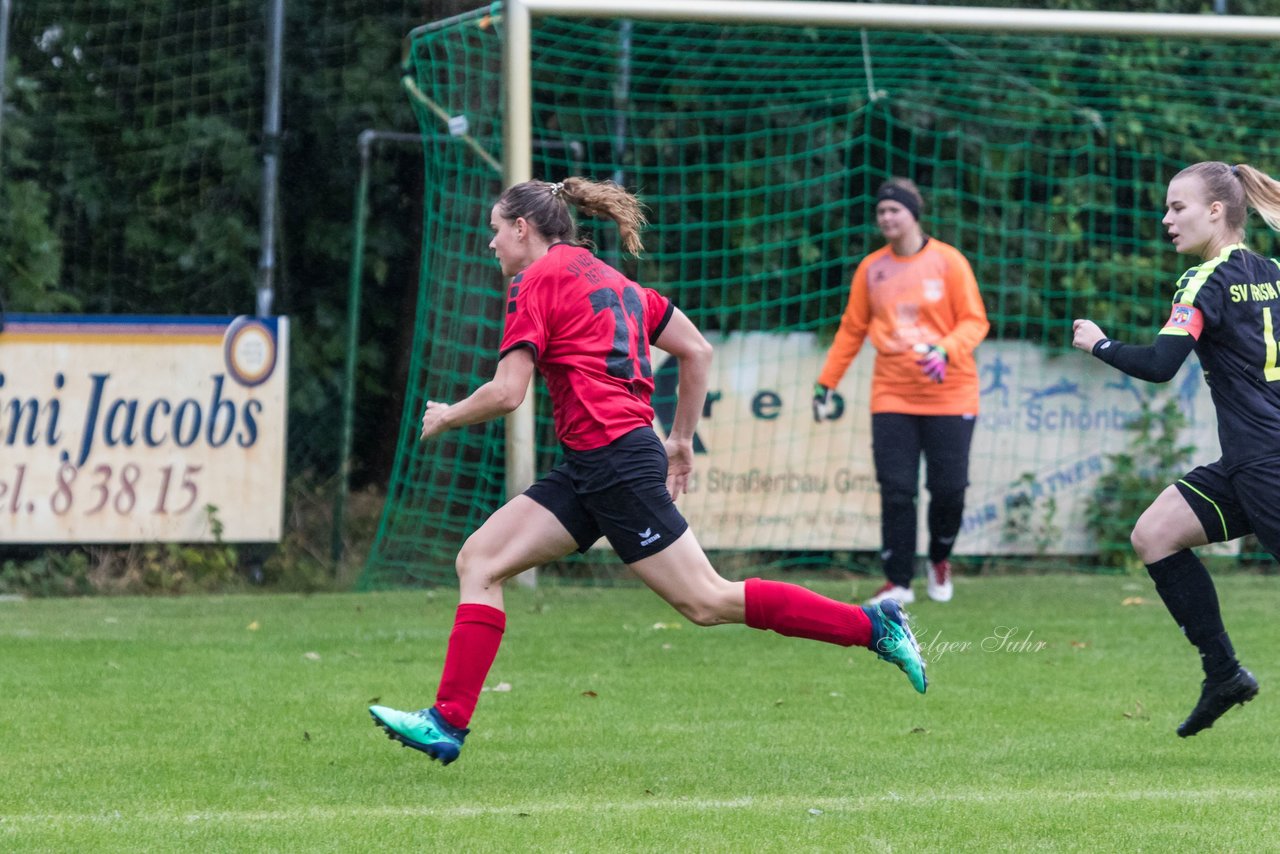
[517,121]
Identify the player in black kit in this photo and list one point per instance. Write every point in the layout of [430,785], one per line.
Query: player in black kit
[1227,309]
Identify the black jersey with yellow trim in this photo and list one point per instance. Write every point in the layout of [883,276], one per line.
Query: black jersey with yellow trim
[1231,305]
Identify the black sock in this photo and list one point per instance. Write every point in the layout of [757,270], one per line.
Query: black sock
[946,512]
[898,537]
[1188,592]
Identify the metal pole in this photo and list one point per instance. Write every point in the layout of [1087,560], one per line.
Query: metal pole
[365,143]
[353,341]
[5,6]
[270,159]
[517,166]
[621,99]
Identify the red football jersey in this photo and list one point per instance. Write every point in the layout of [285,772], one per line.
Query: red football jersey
[590,328]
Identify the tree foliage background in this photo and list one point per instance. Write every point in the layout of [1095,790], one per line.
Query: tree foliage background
[130,168]
[130,182]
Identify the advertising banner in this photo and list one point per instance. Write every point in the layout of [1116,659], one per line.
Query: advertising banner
[768,477]
[121,429]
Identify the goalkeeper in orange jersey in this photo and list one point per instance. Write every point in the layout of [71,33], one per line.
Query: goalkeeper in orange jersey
[917,300]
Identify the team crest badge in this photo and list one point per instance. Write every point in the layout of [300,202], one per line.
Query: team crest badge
[1185,319]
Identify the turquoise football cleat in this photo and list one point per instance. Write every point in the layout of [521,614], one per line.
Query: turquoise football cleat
[892,640]
[423,730]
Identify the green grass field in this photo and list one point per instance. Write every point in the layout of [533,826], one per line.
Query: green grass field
[239,724]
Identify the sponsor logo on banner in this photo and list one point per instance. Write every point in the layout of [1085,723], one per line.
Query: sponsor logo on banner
[767,477]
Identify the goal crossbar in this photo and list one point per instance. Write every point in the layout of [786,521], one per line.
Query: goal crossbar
[904,17]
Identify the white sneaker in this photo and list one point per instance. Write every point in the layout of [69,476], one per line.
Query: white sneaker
[940,589]
[901,595]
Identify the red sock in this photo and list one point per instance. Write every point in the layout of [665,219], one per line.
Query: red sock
[473,645]
[793,611]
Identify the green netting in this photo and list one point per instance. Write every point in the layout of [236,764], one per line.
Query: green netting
[134,126]
[758,150]
[131,183]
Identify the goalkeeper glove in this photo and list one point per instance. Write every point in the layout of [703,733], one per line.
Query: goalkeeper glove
[933,361]
[824,406]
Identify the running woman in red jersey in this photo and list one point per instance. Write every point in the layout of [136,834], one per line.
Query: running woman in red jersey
[1226,309]
[587,329]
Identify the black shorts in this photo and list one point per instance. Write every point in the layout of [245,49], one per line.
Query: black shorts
[1232,504]
[898,439]
[619,492]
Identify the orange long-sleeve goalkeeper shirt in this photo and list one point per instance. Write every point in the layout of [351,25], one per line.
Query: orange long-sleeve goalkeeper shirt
[930,297]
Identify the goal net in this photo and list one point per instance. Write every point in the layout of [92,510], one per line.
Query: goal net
[758,150]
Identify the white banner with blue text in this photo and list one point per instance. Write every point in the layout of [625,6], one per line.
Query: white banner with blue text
[767,477]
[121,429]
